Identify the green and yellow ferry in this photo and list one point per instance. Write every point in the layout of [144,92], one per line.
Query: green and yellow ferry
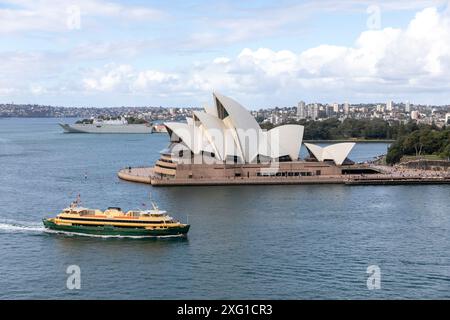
[115,222]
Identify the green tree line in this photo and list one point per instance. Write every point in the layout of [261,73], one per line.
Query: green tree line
[410,139]
[333,129]
[422,140]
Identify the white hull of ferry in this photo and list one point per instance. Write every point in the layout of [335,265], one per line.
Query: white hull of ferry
[106,128]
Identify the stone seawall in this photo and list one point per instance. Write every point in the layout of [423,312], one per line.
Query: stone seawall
[399,181]
[246,181]
[145,175]
[140,175]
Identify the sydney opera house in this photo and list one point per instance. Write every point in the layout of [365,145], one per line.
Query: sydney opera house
[224,144]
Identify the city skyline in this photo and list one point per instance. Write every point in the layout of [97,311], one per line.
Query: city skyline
[266,53]
[390,111]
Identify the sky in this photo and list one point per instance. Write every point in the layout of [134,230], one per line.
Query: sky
[267,53]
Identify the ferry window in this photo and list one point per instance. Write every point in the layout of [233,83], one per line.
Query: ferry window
[317,172]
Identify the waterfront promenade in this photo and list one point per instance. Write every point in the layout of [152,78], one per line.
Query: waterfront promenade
[389,176]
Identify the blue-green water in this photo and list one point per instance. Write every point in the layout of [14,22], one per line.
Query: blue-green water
[284,242]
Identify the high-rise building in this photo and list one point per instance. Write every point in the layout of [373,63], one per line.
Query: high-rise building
[329,111]
[390,105]
[407,107]
[346,108]
[447,119]
[301,110]
[336,108]
[315,111]
[415,115]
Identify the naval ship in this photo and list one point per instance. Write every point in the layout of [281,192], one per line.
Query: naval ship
[106,126]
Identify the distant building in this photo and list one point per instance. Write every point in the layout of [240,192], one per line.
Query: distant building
[276,119]
[415,115]
[301,110]
[390,105]
[447,119]
[336,108]
[315,111]
[329,111]
[407,107]
[346,108]
[380,108]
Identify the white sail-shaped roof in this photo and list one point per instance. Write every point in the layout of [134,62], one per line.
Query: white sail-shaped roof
[193,137]
[218,135]
[336,152]
[190,121]
[286,140]
[243,123]
[238,152]
[229,130]
[180,130]
[211,110]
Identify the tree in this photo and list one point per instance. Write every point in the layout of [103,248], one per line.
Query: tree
[423,140]
[394,154]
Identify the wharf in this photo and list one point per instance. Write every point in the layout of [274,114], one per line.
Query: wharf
[146,175]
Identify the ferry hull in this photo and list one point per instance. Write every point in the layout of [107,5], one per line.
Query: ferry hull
[107,230]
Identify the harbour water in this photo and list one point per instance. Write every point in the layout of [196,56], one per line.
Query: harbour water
[246,242]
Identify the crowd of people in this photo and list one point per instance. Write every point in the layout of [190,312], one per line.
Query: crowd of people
[399,171]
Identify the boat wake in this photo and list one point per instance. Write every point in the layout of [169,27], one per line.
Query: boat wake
[20,227]
[15,227]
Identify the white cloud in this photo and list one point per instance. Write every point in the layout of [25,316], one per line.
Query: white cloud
[124,78]
[109,80]
[37,89]
[240,23]
[381,63]
[5,91]
[54,16]
[409,63]
[221,60]
[151,79]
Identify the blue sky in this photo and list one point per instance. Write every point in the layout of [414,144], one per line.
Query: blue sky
[263,53]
